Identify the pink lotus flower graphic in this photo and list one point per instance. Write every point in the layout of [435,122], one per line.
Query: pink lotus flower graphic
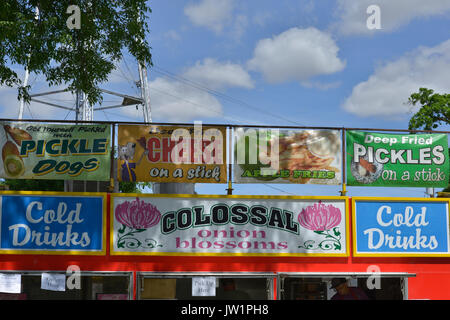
[320,217]
[136,216]
[324,220]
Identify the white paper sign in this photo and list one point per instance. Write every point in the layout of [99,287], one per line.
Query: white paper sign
[10,283]
[53,281]
[203,286]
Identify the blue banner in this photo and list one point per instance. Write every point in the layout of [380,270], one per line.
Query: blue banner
[401,227]
[52,224]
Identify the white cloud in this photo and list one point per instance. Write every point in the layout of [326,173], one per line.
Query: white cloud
[394,13]
[386,92]
[219,75]
[296,54]
[212,14]
[177,102]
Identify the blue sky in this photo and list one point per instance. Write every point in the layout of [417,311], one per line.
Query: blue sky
[286,62]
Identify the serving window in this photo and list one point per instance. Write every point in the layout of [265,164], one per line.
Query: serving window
[304,286]
[91,286]
[205,286]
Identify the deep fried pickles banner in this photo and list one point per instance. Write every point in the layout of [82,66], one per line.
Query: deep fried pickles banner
[402,160]
[53,151]
[287,156]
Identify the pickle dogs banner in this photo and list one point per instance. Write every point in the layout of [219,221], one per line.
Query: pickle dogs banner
[61,223]
[53,151]
[407,227]
[214,225]
[287,156]
[397,160]
[193,154]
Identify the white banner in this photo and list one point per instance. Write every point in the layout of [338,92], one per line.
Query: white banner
[205,225]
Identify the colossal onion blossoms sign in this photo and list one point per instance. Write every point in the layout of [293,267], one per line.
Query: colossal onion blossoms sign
[217,225]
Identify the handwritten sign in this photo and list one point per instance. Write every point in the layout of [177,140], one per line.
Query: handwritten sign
[53,281]
[10,283]
[203,286]
[393,227]
[38,223]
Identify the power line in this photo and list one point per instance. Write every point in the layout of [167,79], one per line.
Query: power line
[218,94]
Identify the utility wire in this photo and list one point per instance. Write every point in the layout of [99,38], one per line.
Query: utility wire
[216,93]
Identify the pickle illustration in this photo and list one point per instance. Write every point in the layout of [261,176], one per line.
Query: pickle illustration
[12,162]
[18,135]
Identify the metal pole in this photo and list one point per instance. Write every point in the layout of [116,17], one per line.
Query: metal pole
[145,94]
[27,74]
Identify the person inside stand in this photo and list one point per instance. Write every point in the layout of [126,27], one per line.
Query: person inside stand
[344,292]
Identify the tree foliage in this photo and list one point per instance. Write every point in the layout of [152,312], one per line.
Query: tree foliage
[79,58]
[434,109]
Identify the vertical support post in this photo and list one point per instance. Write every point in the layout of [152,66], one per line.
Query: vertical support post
[27,74]
[145,94]
[112,166]
[230,159]
[344,164]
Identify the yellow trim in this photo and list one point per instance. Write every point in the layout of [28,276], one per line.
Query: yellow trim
[392,199]
[241,254]
[101,252]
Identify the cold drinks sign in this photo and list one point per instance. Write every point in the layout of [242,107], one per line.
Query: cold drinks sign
[218,225]
[65,223]
[393,227]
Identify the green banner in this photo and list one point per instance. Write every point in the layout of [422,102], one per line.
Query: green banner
[54,151]
[397,160]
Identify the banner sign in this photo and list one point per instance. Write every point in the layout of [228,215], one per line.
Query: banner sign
[397,160]
[287,156]
[229,225]
[63,223]
[54,151]
[393,227]
[172,154]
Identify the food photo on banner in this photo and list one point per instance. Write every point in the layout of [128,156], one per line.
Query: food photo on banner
[189,154]
[287,156]
[397,160]
[55,151]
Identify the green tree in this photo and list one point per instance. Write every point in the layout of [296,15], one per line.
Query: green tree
[434,109]
[80,58]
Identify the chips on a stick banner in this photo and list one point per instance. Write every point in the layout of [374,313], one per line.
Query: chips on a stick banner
[55,151]
[228,225]
[397,160]
[186,154]
[287,156]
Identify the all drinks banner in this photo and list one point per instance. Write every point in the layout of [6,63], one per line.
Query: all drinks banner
[393,227]
[397,160]
[61,223]
[52,151]
[172,154]
[214,225]
[287,156]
